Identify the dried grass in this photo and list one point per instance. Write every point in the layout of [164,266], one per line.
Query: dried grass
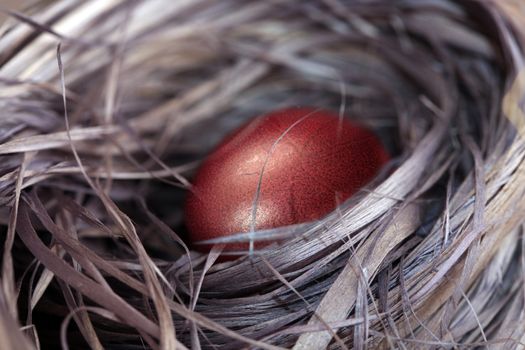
[108,106]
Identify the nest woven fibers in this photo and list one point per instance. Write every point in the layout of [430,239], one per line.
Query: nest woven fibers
[108,106]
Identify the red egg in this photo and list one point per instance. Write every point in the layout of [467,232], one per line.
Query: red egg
[303,162]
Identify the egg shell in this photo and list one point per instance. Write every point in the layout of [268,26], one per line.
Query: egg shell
[296,164]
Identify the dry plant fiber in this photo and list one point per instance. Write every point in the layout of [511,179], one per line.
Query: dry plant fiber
[108,106]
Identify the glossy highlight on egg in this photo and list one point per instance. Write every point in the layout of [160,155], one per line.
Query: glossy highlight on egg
[292,165]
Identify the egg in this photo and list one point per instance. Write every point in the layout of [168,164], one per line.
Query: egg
[292,165]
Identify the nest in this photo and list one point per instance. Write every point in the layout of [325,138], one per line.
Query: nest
[107,107]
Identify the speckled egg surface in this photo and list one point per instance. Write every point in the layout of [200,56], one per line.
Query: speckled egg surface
[295,165]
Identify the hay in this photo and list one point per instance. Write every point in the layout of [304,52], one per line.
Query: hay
[108,106]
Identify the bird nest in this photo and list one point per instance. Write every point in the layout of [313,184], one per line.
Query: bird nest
[107,107]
